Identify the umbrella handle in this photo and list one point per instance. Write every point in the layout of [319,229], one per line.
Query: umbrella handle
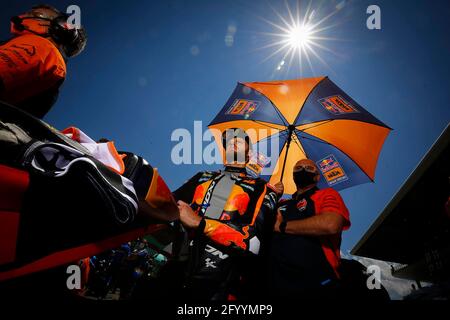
[291,129]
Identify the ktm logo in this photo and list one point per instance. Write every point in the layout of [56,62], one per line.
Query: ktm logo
[333,174]
[28,48]
[337,105]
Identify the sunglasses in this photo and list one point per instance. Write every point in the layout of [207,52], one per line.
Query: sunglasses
[307,168]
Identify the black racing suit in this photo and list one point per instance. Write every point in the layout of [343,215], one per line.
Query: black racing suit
[238,214]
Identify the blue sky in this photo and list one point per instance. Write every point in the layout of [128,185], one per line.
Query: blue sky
[153,66]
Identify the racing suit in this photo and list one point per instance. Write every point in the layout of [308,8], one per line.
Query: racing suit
[238,214]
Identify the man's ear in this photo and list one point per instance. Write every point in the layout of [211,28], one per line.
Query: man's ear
[317,177]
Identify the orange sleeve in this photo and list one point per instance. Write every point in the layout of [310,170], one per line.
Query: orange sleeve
[331,201]
[29,65]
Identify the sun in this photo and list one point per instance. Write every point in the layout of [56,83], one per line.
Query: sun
[299,37]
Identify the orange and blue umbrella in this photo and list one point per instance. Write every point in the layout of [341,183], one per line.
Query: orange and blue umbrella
[308,118]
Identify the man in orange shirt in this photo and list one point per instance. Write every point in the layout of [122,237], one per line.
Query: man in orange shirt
[305,250]
[33,61]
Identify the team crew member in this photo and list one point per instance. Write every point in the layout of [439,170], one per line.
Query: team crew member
[305,249]
[229,215]
[32,62]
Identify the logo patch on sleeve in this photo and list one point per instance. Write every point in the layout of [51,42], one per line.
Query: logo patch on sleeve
[301,205]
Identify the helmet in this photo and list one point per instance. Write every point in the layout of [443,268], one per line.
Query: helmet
[49,22]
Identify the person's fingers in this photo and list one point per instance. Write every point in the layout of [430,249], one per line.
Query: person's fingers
[181,204]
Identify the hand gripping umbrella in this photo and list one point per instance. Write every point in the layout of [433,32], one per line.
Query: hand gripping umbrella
[307,118]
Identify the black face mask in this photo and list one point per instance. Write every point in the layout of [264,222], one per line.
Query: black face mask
[303,178]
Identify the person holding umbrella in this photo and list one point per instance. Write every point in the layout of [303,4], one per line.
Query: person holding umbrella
[304,256]
[229,216]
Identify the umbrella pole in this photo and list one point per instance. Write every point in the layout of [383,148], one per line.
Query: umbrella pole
[291,129]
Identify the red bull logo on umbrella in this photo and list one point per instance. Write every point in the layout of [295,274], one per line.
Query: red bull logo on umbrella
[331,170]
[337,105]
[242,107]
